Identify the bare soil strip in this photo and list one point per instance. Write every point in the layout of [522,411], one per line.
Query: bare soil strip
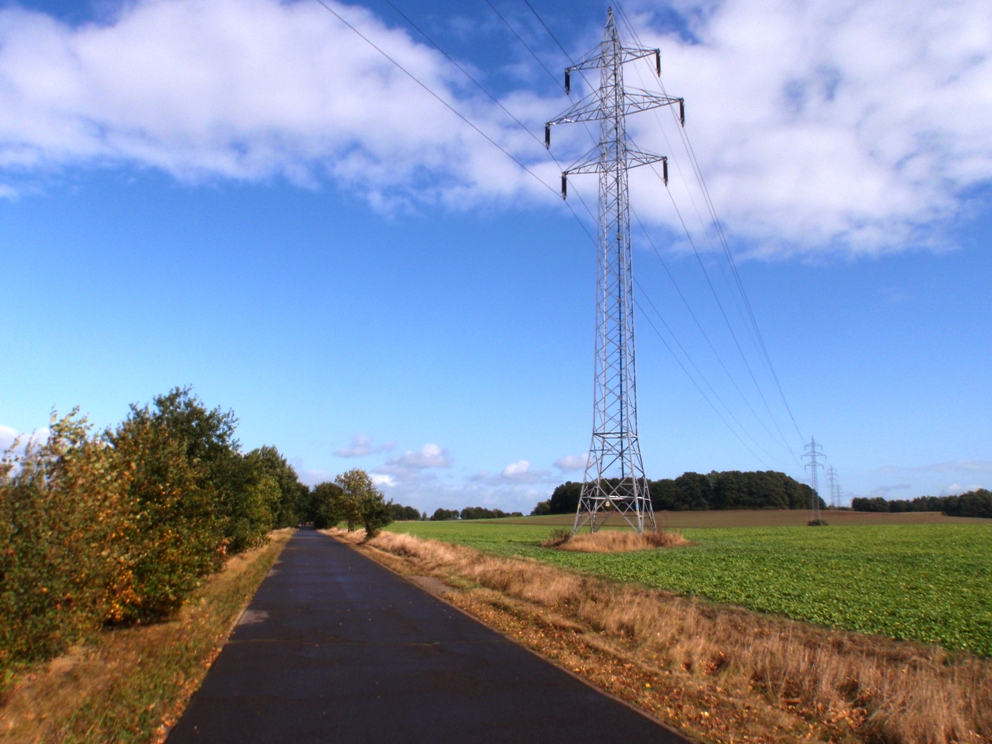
[133,683]
[716,673]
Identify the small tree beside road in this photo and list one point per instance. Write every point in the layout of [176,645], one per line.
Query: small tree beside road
[367,504]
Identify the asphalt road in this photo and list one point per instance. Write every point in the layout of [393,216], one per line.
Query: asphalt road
[336,648]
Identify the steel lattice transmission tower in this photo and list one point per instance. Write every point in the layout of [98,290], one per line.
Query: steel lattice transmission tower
[813,451]
[614,478]
[834,486]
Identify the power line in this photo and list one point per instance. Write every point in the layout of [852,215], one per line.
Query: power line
[448,106]
[693,381]
[520,39]
[726,246]
[688,236]
[528,170]
[695,319]
[723,312]
[699,372]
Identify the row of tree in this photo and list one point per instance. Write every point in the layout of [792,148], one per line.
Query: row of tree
[971,504]
[472,512]
[122,525]
[694,492]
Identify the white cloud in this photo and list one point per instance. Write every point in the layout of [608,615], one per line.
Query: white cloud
[857,123]
[973,467]
[362,446]
[246,89]
[571,463]
[956,488]
[518,470]
[381,479]
[428,456]
[884,491]
[516,473]
[7,436]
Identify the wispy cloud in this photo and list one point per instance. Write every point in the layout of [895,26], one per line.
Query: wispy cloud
[9,435]
[956,488]
[884,491]
[428,456]
[825,125]
[820,126]
[247,90]
[571,463]
[363,446]
[974,467]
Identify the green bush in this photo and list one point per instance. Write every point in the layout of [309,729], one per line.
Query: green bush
[121,528]
[61,522]
[172,536]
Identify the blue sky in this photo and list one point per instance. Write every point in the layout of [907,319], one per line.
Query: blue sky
[245,197]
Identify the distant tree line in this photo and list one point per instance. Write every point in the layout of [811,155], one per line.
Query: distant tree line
[971,504]
[697,492]
[471,512]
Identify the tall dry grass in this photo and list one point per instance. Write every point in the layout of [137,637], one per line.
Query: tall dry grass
[613,541]
[889,691]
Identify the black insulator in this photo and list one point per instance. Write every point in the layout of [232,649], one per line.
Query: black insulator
[664,170]
[564,186]
[547,136]
[657,61]
[568,82]
[682,111]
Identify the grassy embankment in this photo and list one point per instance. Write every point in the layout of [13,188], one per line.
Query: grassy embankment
[930,583]
[131,684]
[721,673]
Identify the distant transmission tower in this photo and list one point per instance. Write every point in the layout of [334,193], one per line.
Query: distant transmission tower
[614,478]
[813,451]
[834,487]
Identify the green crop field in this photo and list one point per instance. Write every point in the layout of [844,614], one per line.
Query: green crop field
[925,582]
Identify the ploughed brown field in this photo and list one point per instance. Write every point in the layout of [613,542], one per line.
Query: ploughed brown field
[759,518]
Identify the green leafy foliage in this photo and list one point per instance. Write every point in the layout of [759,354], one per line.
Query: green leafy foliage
[122,527]
[731,489]
[170,536]
[442,515]
[286,510]
[327,506]
[922,582]
[61,521]
[976,503]
[363,503]
[405,513]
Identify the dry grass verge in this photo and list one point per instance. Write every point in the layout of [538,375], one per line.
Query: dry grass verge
[132,684]
[612,541]
[717,673]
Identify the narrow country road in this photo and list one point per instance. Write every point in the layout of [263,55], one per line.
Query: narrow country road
[336,648]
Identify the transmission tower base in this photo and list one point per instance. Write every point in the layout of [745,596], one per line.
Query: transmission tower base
[598,504]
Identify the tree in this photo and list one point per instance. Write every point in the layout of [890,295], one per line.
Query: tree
[170,538]
[61,518]
[364,502]
[404,513]
[268,460]
[327,505]
[442,515]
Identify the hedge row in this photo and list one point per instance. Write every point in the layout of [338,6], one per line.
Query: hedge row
[121,526]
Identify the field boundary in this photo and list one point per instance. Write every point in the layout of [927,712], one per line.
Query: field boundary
[447,595]
[712,672]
